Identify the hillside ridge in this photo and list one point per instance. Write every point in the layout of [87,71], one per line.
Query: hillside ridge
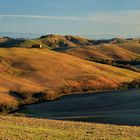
[61,41]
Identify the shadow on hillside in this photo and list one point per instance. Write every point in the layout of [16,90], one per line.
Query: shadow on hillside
[131,121]
[118,107]
[104,120]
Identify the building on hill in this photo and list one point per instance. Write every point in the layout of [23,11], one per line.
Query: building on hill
[37,46]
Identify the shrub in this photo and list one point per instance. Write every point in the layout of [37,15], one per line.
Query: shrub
[8,103]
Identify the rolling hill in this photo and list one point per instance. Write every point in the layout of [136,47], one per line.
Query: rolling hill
[116,49]
[33,75]
[6,42]
[53,41]
[123,52]
[58,41]
[29,75]
[113,49]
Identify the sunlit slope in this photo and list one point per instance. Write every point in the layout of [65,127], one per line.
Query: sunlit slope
[133,47]
[41,129]
[58,41]
[124,52]
[53,41]
[36,69]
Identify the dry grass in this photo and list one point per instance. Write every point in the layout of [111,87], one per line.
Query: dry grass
[7,103]
[35,70]
[28,128]
[44,68]
[124,52]
[132,47]
[56,41]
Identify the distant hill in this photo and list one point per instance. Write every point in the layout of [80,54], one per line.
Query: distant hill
[57,41]
[6,42]
[123,52]
[53,41]
[109,49]
[112,49]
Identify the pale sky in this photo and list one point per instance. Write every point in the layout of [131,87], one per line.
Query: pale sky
[78,17]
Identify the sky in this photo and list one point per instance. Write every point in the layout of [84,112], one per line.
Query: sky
[101,18]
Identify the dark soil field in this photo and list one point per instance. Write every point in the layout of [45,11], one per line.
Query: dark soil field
[112,107]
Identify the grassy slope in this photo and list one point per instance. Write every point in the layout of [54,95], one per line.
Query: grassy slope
[133,47]
[29,43]
[56,41]
[30,68]
[37,70]
[126,51]
[28,128]
[82,47]
[22,43]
